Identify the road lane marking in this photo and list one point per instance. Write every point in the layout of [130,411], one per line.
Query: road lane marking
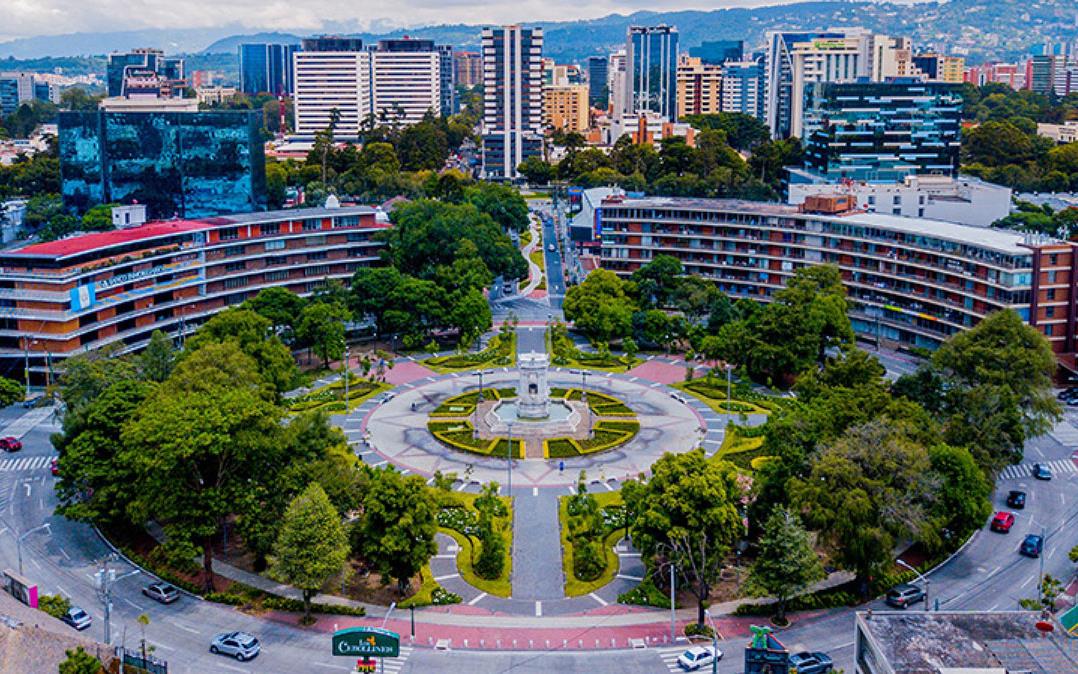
[1028,581]
[185,628]
[477,598]
[447,577]
[137,607]
[602,602]
[539,608]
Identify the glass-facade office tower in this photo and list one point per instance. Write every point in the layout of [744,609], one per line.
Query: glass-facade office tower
[448,77]
[651,56]
[743,87]
[512,98]
[122,65]
[266,68]
[883,130]
[598,73]
[180,164]
[717,52]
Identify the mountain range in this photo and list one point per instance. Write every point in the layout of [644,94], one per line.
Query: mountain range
[979,29]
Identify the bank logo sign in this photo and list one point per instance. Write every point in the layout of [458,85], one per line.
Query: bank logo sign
[366,641]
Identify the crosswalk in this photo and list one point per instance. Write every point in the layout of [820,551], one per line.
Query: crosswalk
[394,665]
[22,463]
[669,657]
[1025,470]
[26,422]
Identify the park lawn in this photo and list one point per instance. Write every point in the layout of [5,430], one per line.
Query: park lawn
[740,450]
[498,352]
[331,396]
[423,596]
[575,358]
[715,398]
[501,586]
[574,587]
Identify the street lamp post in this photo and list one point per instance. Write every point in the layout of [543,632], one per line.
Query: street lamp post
[584,397]
[475,412]
[919,576]
[729,367]
[673,605]
[509,461]
[714,642]
[347,376]
[105,579]
[19,538]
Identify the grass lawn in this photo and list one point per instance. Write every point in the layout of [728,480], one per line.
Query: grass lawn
[574,587]
[499,351]
[740,450]
[469,548]
[567,355]
[714,396]
[330,398]
[424,595]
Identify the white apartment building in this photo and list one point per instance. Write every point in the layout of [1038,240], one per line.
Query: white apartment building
[406,85]
[616,81]
[327,81]
[512,98]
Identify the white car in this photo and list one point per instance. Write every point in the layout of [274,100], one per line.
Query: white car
[239,645]
[697,657]
[551,248]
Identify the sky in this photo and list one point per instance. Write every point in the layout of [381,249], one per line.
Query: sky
[28,18]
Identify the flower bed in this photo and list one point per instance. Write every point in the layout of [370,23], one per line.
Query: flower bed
[499,351]
[459,434]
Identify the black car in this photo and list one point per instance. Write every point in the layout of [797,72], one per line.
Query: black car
[1032,546]
[1042,472]
[1067,393]
[1016,499]
[810,663]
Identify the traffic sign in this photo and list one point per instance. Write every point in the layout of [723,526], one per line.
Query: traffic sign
[366,641]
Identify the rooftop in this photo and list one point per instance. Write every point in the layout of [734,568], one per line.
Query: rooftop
[916,642]
[1000,240]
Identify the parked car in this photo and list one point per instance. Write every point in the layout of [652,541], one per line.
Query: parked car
[1071,401]
[162,592]
[10,444]
[811,663]
[239,645]
[1067,393]
[1016,499]
[77,618]
[901,596]
[697,657]
[1002,522]
[1032,546]
[1042,472]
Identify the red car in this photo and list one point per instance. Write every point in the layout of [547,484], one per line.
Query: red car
[1002,522]
[54,466]
[10,444]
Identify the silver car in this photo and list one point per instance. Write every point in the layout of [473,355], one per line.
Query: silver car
[239,645]
[77,618]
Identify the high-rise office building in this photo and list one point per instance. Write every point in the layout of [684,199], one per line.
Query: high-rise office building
[19,88]
[717,52]
[141,66]
[883,130]
[185,164]
[406,78]
[266,68]
[699,87]
[651,56]
[794,61]
[617,82]
[598,86]
[447,79]
[743,87]
[332,84]
[468,68]
[512,98]
[940,68]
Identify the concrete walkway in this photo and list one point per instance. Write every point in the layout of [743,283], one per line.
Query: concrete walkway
[537,572]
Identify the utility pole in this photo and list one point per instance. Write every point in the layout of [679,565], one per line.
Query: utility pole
[509,461]
[347,376]
[673,606]
[26,370]
[104,580]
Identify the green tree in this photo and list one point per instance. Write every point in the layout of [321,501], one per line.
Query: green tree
[961,503]
[312,546]
[786,563]
[372,291]
[11,392]
[158,359]
[536,171]
[600,307]
[80,662]
[501,202]
[197,444]
[997,143]
[631,349]
[322,327]
[396,531]
[658,280]
[254,336]
[280,306]
[686,515]
[98,218]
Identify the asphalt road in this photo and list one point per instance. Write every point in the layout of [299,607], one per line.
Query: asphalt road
[989,574]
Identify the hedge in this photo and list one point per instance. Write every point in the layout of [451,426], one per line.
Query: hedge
[560,448]
[465,441]
[275,603]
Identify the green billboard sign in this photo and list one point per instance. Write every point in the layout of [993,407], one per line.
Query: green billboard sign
[366,641]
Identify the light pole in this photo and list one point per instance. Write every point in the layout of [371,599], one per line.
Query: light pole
[347,376]
[919,575]
[104,580]
[584,397]
[475,412]
[673,605]
[19,538]
[714,642]
[509,461]
[729,367]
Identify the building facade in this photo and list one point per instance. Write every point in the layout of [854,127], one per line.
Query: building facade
[940,67]
[743,87]
[718,52]
[512,98]
[180,164]
[19,88]
[699,87]
[882,130]
[406,81]
[267,68]
[651,58]
[141,65]
[909,281]
[329,83]
[468,68]
[566,108]
[447,77]
[598,87]
[76,294]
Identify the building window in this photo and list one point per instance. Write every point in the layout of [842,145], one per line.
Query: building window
[320,270]
[315,240]
[235,282]
[346,221]
[233,251]
[872,200]
[230,234]
[275,245]
[274,260]
[896,200]
[271,228]
[318,255]
[1048,330]
[1051,293]
[1051,276]
[896,211]
[1052,259]
[279,275]
[358,236]
[235,266]
[312,225]
[1049,312]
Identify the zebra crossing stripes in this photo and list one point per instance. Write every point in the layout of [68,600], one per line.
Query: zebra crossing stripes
[26,422]
[1026,469]
[22,463]
[669,657]
[394,665]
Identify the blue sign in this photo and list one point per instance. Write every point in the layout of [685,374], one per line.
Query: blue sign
[83,297]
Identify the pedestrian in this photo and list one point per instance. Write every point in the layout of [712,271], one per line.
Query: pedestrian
[561,466]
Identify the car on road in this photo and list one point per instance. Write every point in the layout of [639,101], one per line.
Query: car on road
[54,465]
[1032,546]
[1067,393]
[551,248]
[239,645]
[810,663]
[1002,522]
[901,596]
[1016,499]
[10,444]
[697,657]
[77,618]
[1042,472]
[162,592]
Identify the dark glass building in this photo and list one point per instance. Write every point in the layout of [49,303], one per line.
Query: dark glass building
[717,52]
[598,73]
[882,130]
[185,164]
[651,70]
[136,62]
[266,68]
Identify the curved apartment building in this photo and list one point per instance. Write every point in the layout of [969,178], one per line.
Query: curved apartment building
[910,281]
[64,297]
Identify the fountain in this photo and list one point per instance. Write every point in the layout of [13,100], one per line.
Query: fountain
[533,392]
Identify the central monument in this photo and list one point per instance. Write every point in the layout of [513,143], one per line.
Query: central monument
[533,392]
